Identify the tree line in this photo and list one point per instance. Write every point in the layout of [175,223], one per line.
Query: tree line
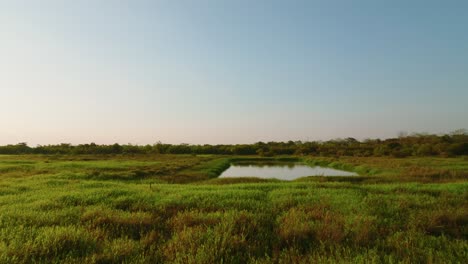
[452,144]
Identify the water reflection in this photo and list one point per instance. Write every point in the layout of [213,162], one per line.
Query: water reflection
[280,170]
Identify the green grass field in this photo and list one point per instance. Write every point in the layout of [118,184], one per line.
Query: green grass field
[173,209]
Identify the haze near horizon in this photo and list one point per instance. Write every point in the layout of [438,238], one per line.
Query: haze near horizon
[221,72]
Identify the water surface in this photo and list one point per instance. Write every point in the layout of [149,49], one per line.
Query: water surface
[280,170]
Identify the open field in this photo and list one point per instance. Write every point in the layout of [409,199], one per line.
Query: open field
[173,209]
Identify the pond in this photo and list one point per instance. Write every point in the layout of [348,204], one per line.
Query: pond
[280,170]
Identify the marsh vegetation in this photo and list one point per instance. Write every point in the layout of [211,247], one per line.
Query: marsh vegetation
[174,209]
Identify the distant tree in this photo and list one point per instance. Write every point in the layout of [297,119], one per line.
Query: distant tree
[422,144]
[116,149]
[425,150]
[460,131]
[458,149]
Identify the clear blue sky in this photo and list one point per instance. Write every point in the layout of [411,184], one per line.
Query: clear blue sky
[235,71]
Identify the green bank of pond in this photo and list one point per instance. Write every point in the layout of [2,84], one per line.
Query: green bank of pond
[282,170]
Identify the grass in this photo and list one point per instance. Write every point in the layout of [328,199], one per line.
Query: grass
[69,210]
[427,169]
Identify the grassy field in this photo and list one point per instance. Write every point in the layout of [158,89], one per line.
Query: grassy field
[173,209]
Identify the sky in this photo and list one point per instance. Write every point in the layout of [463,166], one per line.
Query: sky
[231,71]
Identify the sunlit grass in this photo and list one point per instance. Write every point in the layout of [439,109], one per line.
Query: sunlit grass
[52,214]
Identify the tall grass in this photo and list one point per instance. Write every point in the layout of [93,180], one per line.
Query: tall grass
[51,214]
